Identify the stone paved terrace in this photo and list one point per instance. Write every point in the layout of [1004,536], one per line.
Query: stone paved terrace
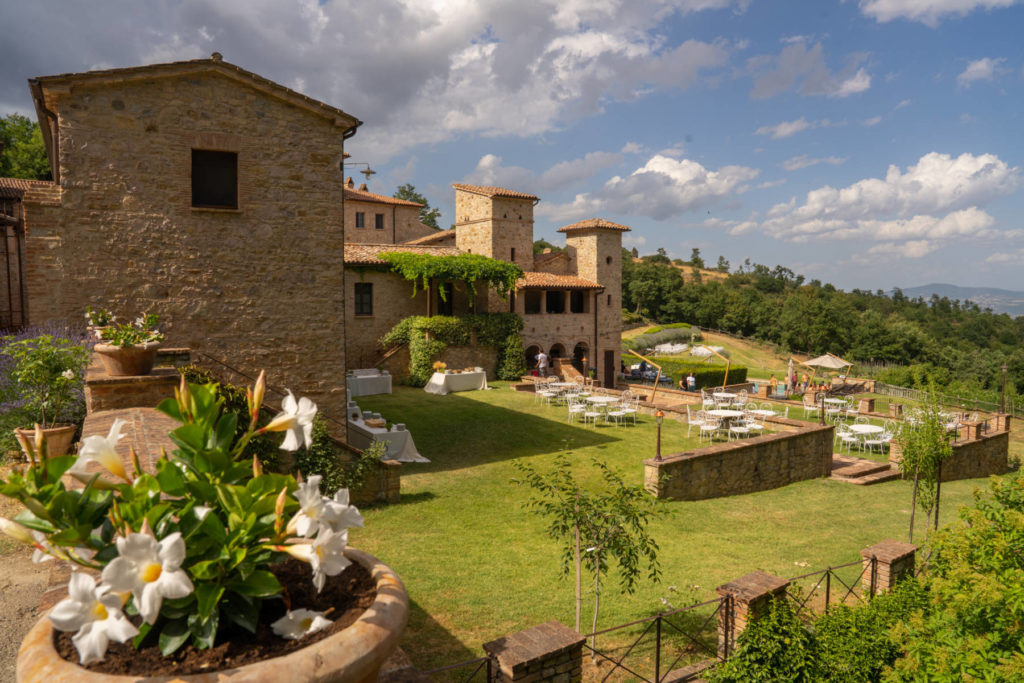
[146,430]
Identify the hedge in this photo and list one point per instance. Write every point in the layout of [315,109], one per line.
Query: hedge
[707,375]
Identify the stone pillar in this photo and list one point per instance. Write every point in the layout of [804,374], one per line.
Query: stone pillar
[896,410]
[549,652]
[971,431]
[762,390]
[886,563]
[744,600]
[866,405]
[1002,422]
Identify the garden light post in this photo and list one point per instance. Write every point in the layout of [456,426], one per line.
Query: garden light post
[659,416]
[821,407]
[1002,395]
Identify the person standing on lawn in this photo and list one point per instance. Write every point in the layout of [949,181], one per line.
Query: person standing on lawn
[542,364]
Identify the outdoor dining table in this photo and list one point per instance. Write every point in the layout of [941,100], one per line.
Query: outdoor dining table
[602,400]
[836,401]
[400,445]
[725,395]
[441,383]
[866,429]
[763,413]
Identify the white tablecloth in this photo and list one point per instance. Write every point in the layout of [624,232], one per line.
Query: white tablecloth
[368,385]
[400,443]
[443,384]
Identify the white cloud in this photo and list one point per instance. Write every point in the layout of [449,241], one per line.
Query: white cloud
[928,12]
[661,188]
[983,69]
[912,249]
[1013,257]
[771,183]
[490,171]
[803,68]
[785,129]
[632,239]
[803,161]
[631,148]
[902,104]
[913,212]
[873,121]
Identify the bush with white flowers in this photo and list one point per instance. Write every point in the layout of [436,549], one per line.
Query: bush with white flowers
[188,546]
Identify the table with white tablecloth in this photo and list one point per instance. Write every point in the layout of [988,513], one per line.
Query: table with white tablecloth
[442,383]
[368,384]
[399,440]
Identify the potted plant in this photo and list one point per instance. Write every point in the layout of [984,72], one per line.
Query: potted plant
[206,563]
[47,374]
[129,349]
[98,320]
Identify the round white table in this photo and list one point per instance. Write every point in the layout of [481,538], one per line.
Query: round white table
[724,413]
[724,395]
[602,400]
[763,413]
[866,429]
[836,401]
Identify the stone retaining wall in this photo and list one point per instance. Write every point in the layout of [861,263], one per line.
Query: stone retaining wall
[744,466]
[972,459]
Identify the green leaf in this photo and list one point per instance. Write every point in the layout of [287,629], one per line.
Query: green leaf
[259,584]
[144,630]
[204,631]
[56,467]
[173,635]
[171,480]
[208,594]
[169,407]
[225,432]
[242,610]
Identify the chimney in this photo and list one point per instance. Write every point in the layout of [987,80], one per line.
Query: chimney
[348,183]
[362,188]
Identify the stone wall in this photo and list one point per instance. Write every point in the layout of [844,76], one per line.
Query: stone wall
[972,459]
[568,329]
[743,466]
[260,287]
[461,357]
[401,223]
[598,256]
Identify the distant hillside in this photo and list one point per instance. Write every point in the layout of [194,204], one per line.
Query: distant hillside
[687,271]
[999,300]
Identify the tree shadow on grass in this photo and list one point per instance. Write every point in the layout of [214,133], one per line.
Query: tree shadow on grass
[456,432]
[430,645]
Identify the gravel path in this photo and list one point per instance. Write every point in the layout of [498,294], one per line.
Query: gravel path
[21,585]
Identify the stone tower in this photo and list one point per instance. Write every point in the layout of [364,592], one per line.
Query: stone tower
[595,246]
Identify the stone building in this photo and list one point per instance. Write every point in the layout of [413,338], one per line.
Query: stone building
[570,301]
[204,193]
[375,219]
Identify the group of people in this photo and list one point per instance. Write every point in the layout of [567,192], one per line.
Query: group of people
[793,383]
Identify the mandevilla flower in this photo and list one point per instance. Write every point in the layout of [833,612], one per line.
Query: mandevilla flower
[301,622]
[295,418]
[317,512]
[68,374]
[95,613]
[326,554]
[102,450]
[151,570]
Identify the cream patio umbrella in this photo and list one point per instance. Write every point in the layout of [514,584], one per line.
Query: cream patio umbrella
[829,362]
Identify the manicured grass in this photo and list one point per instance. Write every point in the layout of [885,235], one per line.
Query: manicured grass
[477,566]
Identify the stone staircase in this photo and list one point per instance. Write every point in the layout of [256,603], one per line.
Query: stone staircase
[861,472]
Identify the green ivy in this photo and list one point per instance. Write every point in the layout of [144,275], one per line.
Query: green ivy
[500,330]
[421,269]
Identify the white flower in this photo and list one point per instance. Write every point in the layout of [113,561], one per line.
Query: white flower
[44,552]
[317,511]
[95,613]
[201,511]
[326,554]
[301,622]
[102,450]
[301,430]
[150,570]
[68,374]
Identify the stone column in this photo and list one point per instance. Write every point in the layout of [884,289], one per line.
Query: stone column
[744,600]
[896,410]
[1002,422]
[885,564]
[866,405]
[549,652]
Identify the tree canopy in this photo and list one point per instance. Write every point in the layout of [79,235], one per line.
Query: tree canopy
[428,214]
[22,152]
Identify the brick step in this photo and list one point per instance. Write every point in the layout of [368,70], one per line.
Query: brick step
[859,469]
[876,478]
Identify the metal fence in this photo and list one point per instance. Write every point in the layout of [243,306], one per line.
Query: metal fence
[958,401]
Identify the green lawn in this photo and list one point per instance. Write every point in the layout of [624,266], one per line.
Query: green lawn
[477,566]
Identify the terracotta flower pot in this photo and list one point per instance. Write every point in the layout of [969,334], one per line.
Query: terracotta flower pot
[59,438]
[353,655]
[127,361]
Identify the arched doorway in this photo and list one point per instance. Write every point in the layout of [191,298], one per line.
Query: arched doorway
[531,356]
[580,359]
[557,351]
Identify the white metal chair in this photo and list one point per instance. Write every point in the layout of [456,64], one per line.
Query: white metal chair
[754,422]
[739,429]
[810,407]
[709,427]
[694,418]
[846,437]
[631,408]
[576,408]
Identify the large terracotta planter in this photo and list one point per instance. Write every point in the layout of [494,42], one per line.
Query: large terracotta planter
[58,437]
[353,655]
[127,361]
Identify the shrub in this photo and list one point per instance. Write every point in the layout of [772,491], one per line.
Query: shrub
[707,375]
[325,457]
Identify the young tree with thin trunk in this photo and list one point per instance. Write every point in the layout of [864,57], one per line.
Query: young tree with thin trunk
[924,447]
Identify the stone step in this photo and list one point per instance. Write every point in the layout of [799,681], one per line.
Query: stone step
[845,467]
[875,478]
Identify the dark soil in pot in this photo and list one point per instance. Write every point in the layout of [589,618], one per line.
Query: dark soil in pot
[350,594]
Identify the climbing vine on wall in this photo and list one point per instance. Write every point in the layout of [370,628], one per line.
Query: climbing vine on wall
[500,330]
[420,269]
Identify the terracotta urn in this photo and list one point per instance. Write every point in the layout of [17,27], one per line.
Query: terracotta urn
[353,655]
[127,361]
[58,437]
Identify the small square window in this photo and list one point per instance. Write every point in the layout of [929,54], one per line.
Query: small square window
[364,298]
[214,179]
[360,219]
[378,221]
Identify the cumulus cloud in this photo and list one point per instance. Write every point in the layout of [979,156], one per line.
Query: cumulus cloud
[490,171]
[802,67]
[1015,257]
[803,161]
[661,188]
[983,69]
[911,212]
[928,12]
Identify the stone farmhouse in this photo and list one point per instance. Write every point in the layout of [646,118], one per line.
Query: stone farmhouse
[570,301]
[199,191]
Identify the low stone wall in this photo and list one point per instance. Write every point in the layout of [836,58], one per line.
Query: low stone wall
[744,466]
[103,392]
[981,457]
[382,486]
[459,357]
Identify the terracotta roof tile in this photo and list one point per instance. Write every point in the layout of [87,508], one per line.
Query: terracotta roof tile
[592,223]
[437,238]
[491,191]
[14,188]
[366,196]
[366,254]
[535,280]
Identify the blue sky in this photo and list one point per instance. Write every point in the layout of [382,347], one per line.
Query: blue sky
[870,143]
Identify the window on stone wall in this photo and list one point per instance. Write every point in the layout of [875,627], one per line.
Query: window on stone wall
[364,298]
[532,300]
[214,179]
[577,301]
[378,221]
[555,302]
[360,219]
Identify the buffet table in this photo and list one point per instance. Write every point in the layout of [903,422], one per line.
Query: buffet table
[368,383]
[399,440]
[442,383]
